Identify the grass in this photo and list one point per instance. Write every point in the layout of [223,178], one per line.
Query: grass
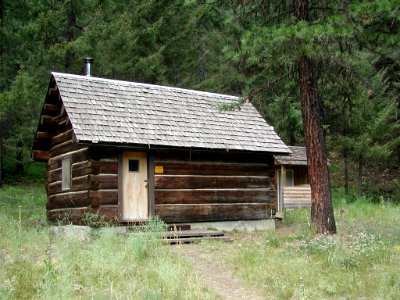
[36,263]
[361,261]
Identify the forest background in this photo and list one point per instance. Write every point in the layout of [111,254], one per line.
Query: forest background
[240,47]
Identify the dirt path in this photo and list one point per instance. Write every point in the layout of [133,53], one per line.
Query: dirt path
[213,274]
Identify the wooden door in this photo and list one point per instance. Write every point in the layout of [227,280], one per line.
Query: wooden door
[135,204]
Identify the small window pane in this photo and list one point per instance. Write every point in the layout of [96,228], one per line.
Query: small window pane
[133,165]
[66,174]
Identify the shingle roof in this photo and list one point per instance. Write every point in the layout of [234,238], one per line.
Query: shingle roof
[112,111]
[298,157]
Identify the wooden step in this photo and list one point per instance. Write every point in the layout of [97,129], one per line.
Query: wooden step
[142,225]
[196,240]
[192,233]
[171,227]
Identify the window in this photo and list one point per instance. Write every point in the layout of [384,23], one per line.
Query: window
[133,165]
[289,178]
[66,174]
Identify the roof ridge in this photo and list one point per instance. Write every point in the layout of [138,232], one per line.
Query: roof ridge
[148,85]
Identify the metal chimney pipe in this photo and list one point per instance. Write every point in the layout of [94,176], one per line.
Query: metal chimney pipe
[88,66]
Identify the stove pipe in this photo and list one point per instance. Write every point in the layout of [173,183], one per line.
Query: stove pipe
[88,66]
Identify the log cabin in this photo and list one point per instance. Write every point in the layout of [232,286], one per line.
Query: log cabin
[129,151]
[291,179]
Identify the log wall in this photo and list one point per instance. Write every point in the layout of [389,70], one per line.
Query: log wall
[94,180]
[68,205]
[197,187]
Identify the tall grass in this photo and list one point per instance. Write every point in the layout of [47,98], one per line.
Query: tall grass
[361,261]
[36,263]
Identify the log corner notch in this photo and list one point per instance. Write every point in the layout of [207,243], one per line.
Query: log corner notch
[40,155]
[52,114]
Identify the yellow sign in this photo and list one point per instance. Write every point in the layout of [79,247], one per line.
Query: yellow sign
[159,169]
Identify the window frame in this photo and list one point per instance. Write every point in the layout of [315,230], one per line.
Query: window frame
[66,174]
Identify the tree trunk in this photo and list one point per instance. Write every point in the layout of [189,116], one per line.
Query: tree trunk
[19,167]
[398,122]
[1,157]
[312,113]
[70,31]
[359,177]
[346,173]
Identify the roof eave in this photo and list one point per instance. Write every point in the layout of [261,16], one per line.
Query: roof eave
[163,147]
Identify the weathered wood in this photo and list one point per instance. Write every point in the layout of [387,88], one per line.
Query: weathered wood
[64,125]
[224,192]
[216,212]
[297,196]
[215,196]
[42,144]
[64,148]
[212,186]
[53,91]
[68,215]
[52,109]
[40,155]
[120,184]
[108,212]
[104,167]
[78,170]
[192,233]
[76,215]
[300,175]
[103,197]
[213,168]
[62,121]
[77,184]
[104,153]
[103,181]
[63,137]
[53,98]
[68,200]
[54,175]
[214,156]
[48,120]
[207,182]
[179,227]
[196,239]
[151,189]
[83,182]
[135,187]
[76,157]
[43,135]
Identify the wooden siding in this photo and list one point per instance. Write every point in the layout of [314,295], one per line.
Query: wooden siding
[195,187]
[94,186]
[300,174]
[297,196]
[93,173]
[76,198]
